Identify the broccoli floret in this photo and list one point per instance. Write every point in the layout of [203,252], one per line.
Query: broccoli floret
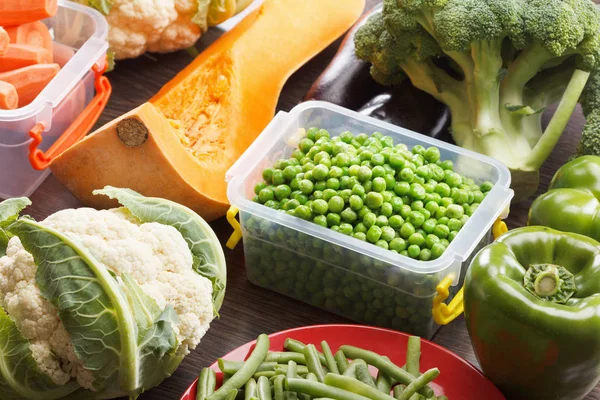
[497,64]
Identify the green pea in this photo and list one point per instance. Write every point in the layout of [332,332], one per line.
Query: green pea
[417,191]
[364,174]
[333,183]
[387,196]
[333,219]
[378,159]
[353,181]
[265,195]
[404,253]
[335,172]
[430,186]
[311,132]
[417,205]
[443,220]
[441,231]
[378,185]
[282,191]
[452,235]
[342,160]
[272,204]
[414,251]
[464,220]
[360,227]
[349,215]
[365,156]
[407,230]
[345,228]
[322,133]
[362,212]
[425,255]
[319,207]
[353,170]
[320,220]
[360,236]
[426,213]
[346,136]
[358,190]
[416,238]
[382,221]
[429,225]
[402,188]
[460,196]
[405,211]
[454,224]
[432,154]
[339,147]
[397,161]
[406,175]
[472,208]
[398,244]
[485,186]
[320,172]
[446,201]
[355,161]
[416,218]
[369,219]
[308,167]
[267,175]
[424,172]
[298,154]
[336,204]
[432,207]
[437,172]
[396,221]
[309,204]
[431,240]
[397,204]
[374,200]
[328,194]
[418,160]
[454,211]
[356,202]
[445,242]
[259,186]
[378,172]
[303,212]
[440,213]
[306,186]
[291,205]
[387,233]
[442,189]
[453,179]
[383,244]
[437,250]
[386,209]
[447,165]
[374,233]
[368,186]
[321,185]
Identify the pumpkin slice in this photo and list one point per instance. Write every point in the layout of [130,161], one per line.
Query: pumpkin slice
[219,104]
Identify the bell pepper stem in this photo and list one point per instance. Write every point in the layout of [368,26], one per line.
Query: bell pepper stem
[550,282]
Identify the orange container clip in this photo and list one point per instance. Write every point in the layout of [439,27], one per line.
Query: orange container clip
[77,130]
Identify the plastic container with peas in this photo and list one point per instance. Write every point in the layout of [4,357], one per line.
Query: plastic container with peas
[362,218]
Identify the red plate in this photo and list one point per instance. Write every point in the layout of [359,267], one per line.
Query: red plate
[458,380]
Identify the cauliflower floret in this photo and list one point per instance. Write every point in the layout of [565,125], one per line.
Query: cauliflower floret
[155,25]
[156,256]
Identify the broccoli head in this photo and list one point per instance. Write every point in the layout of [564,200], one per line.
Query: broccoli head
[496,64]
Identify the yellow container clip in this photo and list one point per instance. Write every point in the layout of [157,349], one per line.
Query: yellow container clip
[444,313]
[236,236]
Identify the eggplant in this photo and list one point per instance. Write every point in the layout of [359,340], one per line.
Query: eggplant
[347,82]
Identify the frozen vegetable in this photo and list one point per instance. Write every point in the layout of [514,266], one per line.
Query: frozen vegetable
[160,26]
[410,202]
[30,81]
[9,99]
[299,381]
[496,64]
[245,71]
[34,34]
[531,306]
[17,12]
[23,55]
[108,302]
[571,203]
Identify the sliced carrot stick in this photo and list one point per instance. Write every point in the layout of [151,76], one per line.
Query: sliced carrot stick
[62,54]
[4,40]
[22,55]
[30,81]
[17,12]
[9,99]
[34,33]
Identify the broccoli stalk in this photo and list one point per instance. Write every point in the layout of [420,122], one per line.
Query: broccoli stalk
[496,64]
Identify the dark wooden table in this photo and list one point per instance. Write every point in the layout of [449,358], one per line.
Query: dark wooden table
[249,310]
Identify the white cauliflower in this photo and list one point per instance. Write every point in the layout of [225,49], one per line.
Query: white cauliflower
[160,26]
[156,256]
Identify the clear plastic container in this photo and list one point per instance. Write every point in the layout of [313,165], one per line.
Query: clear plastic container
[65,110]
[339,273]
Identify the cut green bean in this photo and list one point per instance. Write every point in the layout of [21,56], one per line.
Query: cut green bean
[283,369]
[225,378]
[413,355]
[385,366]
[291,395]
[250,389]
[351,370]
[242,376]
[206,383]
[419,383]
[384,382]
[231,367]
[231,395]
[355,386]
[298,347]
[278,387]
[364,376]
[312,362]
[311,377]
[266,374]
[263,389]
[398,390]
[331,364]
[318,389]
[291,370]
[283,357]
[341,361]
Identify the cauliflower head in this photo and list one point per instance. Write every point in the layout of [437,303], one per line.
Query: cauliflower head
[147,254]
[160,26]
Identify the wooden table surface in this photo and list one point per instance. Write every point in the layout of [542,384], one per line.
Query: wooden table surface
[249,310]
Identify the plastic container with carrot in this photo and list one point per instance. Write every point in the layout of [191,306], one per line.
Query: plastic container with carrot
[52,58]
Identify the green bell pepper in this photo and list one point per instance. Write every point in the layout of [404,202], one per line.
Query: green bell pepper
[572,202]
[532,307]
